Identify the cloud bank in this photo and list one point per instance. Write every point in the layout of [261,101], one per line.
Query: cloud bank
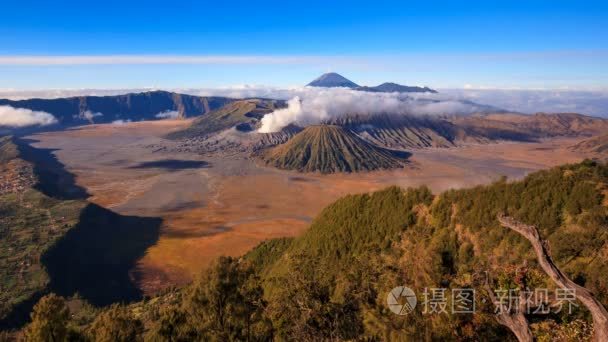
[524,101]
[315,105]
[20,117]
[532,101]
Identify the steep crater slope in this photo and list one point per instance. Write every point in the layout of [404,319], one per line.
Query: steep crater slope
[329,149]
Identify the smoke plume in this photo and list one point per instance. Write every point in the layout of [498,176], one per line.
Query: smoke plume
[315,105]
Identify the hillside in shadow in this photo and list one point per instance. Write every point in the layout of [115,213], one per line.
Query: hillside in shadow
[53,179]
[94,259]
[92,252]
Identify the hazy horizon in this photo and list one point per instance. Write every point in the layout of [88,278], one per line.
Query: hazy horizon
[527,101]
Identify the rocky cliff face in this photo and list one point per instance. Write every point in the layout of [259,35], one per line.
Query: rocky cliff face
[129,107]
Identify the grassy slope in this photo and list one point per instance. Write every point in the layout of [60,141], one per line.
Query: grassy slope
[567,203]
[364,245]
[328,149]
[449,240]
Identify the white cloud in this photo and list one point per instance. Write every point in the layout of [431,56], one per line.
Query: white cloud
[519,100]
[169,114]
[89,115]
[20,117]
[313,105]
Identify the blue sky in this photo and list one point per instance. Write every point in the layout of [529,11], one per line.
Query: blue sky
[493,44]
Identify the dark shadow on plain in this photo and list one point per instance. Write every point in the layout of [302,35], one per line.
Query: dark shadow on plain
[172,164]
[400,154]
[195,233]
[20,313]
[95,258]
[53,179]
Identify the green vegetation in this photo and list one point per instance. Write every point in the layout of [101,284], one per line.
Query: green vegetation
[50,319]
[357,224]
[328,149]
[332,282]
[30,223]
[226,304]
[116,325]
[267,253]
[70,247]
[362,246]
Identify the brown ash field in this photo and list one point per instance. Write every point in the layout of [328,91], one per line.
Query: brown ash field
[212,206]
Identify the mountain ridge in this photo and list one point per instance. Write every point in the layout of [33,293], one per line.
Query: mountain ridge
[597,145]
[244,115]
[80,110]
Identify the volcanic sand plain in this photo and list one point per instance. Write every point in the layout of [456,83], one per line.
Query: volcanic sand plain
[214,206]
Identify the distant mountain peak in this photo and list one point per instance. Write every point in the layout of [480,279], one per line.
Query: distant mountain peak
[331,80]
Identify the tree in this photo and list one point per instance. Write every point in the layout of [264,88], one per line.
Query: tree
[302,309]
[173,326]
[116,324]
[541,248]
[49,320]
[513,316]
[226,303]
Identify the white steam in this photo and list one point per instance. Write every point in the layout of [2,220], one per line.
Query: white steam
[315,105]
[169,114]
[21,117]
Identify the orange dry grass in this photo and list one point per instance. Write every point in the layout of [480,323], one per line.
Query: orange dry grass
[238,212]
